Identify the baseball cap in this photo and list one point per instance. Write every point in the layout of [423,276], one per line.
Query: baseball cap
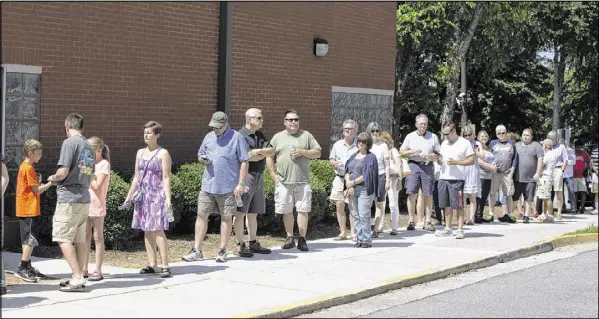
[218,119]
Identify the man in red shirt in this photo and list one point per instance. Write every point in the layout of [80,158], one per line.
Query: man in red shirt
[580,188]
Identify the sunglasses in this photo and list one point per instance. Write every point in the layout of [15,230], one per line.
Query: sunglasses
[292,120]
[500,133]
[374,131]
[467,135]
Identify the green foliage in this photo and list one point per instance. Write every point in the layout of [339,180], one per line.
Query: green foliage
[117,224]
[185,188]
[506,81]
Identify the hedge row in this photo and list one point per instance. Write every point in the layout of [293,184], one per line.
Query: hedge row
[186,183]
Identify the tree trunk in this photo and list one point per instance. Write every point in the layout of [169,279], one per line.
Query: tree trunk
[463,105]
[559,68]
[403,64]
[459,49]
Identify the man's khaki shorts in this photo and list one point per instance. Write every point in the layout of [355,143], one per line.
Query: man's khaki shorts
[544,189]
[288,195]
[337,192]
[69,223]
[223,204]
[580,185]
[558,180]
[504,182]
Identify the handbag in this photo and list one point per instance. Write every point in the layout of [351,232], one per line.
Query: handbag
[405,167]
[138,195]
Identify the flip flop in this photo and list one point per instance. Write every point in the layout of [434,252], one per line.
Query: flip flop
[96,276]
[338,238]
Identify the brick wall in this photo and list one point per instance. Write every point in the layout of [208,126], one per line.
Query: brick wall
[122,64]
[119,65]
[274,67]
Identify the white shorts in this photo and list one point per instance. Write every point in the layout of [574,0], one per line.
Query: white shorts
[558,180]
[289,195]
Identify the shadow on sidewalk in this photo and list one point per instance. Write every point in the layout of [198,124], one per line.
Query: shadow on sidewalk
[47,286]
[480,235]
[376,243]
[10,302]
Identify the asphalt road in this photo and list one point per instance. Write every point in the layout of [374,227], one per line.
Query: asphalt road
[556,284]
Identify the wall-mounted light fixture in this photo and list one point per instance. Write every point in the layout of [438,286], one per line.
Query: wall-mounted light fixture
[321,47]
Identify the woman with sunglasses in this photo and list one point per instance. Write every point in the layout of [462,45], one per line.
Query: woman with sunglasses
[381,151]
[362,182]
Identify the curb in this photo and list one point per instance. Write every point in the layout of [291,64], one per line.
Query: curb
[311,305]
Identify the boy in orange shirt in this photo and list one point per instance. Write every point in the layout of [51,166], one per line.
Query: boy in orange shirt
[28,207]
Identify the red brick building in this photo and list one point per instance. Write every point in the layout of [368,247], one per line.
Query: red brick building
[123,64]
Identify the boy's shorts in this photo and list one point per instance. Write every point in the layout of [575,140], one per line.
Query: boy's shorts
[29,228]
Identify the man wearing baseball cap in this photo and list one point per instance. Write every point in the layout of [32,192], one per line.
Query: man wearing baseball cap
[225,154]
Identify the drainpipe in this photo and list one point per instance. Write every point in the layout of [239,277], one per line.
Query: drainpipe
[224,57]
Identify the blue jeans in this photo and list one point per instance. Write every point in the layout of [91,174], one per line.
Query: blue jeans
[359,207]
[569,182]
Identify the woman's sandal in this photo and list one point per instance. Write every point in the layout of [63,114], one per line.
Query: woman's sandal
[338,238]
[67,282]
[96,276]
[165,272]
[147,270]
[72,288]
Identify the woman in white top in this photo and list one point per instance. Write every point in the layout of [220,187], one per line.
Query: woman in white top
[472,187]
[486,162]
[395,170]
[381,151]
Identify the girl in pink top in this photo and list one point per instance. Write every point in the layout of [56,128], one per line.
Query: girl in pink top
[98,189]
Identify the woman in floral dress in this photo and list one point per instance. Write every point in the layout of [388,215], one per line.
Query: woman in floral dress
[152,179]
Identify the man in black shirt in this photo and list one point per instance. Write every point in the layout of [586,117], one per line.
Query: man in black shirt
[253,199]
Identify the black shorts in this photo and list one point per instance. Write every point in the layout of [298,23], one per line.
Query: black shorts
[526,189]
[451,194]
[29,228]
[253,200]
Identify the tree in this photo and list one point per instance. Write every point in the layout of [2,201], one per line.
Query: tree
[565,26]
[460,42]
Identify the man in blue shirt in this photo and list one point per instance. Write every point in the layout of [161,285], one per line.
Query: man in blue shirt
[225,154]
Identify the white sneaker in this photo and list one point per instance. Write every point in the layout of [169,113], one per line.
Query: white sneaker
[193,255]
[460,234]
[445,232]
[593,212]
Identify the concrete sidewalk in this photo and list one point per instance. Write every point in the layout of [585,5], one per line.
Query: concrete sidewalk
[272,283]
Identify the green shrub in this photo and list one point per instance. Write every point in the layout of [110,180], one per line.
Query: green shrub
[185,188]
[118,233]
[47,208]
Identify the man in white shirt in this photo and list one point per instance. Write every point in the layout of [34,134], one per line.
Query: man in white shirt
[561,155]
[340,152]
[456,152]
[420,147]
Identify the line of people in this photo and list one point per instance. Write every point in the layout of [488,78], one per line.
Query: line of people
[439,173]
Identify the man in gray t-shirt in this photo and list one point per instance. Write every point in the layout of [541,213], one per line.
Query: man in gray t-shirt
[74,174]
[529,165]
